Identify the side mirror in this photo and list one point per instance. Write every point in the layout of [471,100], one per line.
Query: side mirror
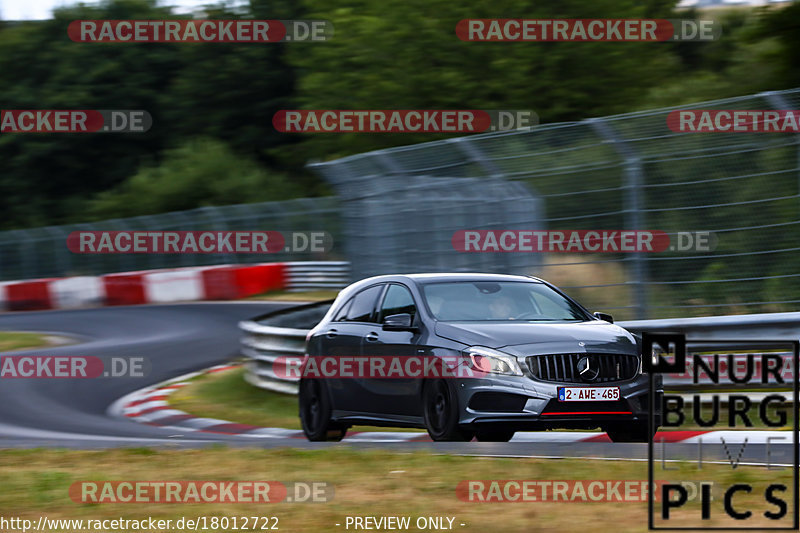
[401,322]
[603,316]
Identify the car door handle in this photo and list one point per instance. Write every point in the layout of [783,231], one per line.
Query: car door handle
[331,333]
[372,336]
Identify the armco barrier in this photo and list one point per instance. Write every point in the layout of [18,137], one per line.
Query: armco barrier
[305,275]
[282,333]
[746,328]
[218,282]
[764,326]
[269,336]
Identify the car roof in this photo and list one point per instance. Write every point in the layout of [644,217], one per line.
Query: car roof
[438,277]
[468,276]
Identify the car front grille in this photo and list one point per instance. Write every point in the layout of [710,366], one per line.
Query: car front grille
[563,368]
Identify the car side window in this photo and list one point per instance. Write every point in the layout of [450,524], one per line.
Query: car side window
[363,306]
[398,300]
[342,314]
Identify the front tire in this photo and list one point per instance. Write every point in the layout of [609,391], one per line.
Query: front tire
[629,432]
[440,412]
[315,412]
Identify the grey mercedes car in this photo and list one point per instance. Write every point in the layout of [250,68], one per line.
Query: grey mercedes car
[522,356]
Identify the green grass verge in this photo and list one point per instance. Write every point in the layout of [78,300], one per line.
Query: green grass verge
[227,396]
[15,340]
[305,296]
[366,483]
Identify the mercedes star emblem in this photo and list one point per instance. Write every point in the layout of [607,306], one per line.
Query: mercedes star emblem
[586,370]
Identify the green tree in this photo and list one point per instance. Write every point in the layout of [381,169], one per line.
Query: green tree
[217,90]
[44,174]
[198,173]
[403,54]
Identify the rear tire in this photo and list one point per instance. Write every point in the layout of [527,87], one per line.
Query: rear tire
[496,435]
[315,412]
[440,412]
[629,432]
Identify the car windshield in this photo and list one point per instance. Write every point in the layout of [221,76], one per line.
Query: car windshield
[499,301]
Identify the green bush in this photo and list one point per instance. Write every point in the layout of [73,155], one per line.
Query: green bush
[198,173]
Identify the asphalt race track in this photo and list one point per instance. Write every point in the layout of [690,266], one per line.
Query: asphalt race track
[182,338]
[72,412]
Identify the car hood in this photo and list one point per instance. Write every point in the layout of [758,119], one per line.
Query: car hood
[529,338]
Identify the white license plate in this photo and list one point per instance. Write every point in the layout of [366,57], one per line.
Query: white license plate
[588,394]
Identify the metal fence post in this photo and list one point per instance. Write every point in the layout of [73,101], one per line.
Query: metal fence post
[634,178]
[217,223]
[63,259]
[528,196]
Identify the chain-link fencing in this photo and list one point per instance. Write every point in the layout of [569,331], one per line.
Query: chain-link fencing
[397,210]
[627,171]
[43,252]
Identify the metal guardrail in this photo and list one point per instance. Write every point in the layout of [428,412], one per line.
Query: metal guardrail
[268,337]
[282,334]
[763,326]
[306,275]
[737,332]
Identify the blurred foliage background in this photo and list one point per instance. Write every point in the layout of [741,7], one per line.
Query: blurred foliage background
[213,143]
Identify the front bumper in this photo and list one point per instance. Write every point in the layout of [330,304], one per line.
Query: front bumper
[521,403]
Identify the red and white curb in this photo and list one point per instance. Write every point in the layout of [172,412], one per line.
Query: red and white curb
[185,284]
[150,406]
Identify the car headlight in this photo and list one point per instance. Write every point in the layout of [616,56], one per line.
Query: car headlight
[492,361]
[654,356]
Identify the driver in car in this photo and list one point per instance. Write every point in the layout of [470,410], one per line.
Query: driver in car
[502,308]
